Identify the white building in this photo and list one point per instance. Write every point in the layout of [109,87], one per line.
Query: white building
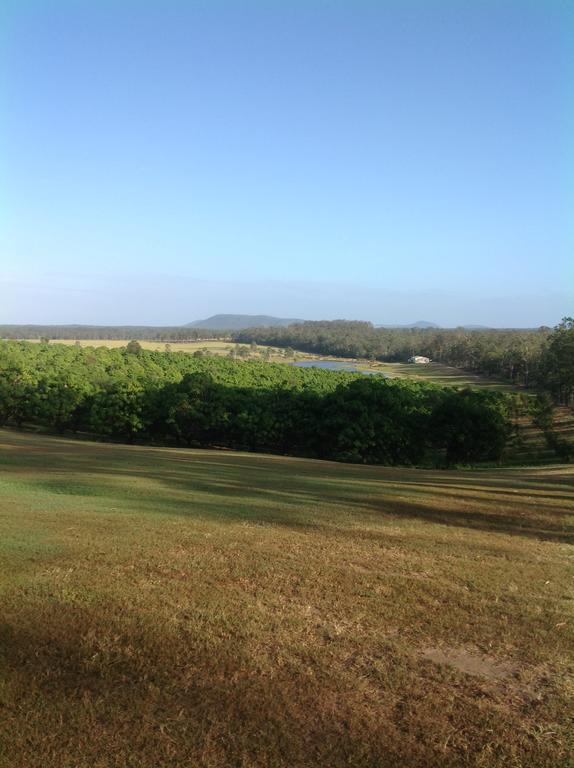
[419,359]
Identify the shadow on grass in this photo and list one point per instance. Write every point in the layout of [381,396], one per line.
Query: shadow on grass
[87,686]
[92,684]
[304,494]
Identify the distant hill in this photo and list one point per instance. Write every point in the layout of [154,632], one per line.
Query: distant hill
[425,324]
[418,324]
[240,322]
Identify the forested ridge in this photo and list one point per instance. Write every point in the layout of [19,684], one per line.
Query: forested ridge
[542,358]
[133,394]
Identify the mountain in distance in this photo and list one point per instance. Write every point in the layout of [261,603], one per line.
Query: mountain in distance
[422,324]
[418,324]
[239,322]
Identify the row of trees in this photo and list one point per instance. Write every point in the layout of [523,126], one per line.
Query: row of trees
[542,358]
[131,394]
[109,332]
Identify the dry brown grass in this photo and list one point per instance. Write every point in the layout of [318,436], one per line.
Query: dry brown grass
[163,608]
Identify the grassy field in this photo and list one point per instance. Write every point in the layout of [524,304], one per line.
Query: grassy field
[444,375]
[163,608]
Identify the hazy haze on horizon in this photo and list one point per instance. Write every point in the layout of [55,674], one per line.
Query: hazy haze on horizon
[393,162]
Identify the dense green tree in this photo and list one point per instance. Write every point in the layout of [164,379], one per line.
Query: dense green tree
[196,409]
[133,347]
[558,362]
[471,425]
[118,408]
[18,382]
[57,399]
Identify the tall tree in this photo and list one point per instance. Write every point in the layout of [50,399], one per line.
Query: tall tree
[558,362]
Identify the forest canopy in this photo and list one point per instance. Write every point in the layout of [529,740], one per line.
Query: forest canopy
[133,394]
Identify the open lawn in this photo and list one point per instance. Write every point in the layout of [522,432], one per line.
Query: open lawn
[444,375]
[164,607]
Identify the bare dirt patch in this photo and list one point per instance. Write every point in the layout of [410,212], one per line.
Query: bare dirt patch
[516,683]
[471,662]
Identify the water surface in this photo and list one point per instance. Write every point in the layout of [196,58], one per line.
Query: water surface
[336,365]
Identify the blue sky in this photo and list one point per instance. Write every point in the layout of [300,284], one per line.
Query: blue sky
[387,161]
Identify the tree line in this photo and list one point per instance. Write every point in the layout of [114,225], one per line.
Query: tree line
[110,332]
[541,359]
[145,396]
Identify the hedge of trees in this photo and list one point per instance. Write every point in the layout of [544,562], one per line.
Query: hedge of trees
[131,394]
[541,358]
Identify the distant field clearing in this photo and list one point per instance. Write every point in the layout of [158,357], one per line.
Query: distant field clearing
[215,346]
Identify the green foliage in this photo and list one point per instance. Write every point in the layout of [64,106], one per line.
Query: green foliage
[471,426]
[511,354]
[558,362]
[17,386]
[541,410]
[195,409]
[252,405]
[133,347]
[539,358]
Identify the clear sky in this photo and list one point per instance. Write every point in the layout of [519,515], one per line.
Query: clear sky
[389,161]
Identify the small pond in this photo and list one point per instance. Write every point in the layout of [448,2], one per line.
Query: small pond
[336,365]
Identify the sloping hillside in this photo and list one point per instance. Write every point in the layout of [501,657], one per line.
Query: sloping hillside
[177,608]
[531,444]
